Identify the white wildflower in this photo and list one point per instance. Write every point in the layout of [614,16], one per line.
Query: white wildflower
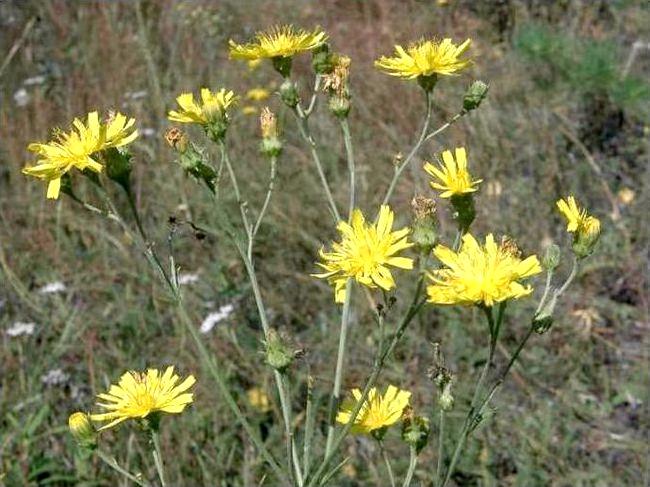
[52,287]
[215,317]
[34,80]
[55,377]
[21,328]
[147,132]
[21,97]
[189,278]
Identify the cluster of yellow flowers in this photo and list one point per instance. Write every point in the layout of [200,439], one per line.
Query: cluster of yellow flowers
[470,273]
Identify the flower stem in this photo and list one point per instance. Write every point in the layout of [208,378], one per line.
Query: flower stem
[389,469]
[303,127]
[400,168]
[111,462]
[157,456]
[269,192]
[413,461]
[347,139]
[441,447]
[338,375]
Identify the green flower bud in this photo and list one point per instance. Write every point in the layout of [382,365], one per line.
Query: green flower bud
[339,106]
[118,167]
[585,241]
[415,430]
[321,60]
[474,95]
[289,93]
[82,430]
[551,258]
[278,354]
[446,399]
[190,158]
[543,320]
[424,232]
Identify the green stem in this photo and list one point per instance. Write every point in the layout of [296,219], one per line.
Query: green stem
[269,192]
[338,375]
[347,139]
[569,280]
[303,127]
[400,168]
[389,469]
[309,426]
[441,447]
[157,457]
[111,462]
[413,461]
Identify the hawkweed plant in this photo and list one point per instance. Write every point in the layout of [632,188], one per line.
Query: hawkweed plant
[374,256]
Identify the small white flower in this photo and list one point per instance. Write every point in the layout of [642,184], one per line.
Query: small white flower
[21,97]
[147,132]
[34,80]
[215,317]
[21,328]
[55,377]
[52,287]
[136,95]
[189,278]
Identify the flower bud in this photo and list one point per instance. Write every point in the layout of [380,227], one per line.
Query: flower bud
[322,59]
[551,258]
[415,430]
[543,320]
[339,106]
[424,232]
[289,93]
[474,95]
[118,167]
[465,212]
[82,429]
[278,354]
[271,145]
[336,84]
[190,158]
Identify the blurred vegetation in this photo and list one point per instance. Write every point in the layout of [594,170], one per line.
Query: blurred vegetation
[562,116]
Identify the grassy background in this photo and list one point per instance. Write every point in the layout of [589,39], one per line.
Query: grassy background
[563,115]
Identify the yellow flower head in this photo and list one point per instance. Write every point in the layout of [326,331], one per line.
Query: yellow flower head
[578,221]
[453,176]
[259,399]
[257,94]
[79,148]
[213,106]
[365,252]
[278,41]
[377,411]
[481,275]
[425,58]
[139,394]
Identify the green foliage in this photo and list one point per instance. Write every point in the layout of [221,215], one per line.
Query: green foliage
[587,67]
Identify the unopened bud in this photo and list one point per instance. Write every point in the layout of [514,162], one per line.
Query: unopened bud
[474,95]
[585,239]
[551,258]
[289,93]
[543,320]
[415,430]
[82,429]
[278,354]
[322,59]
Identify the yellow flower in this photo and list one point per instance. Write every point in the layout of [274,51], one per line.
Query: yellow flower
[139,394]
[626,196]
[481,275]
[365,252]
[257,94]
[81,428]
[578,221]
[453,175]
[213,106]
[278,41]
[377,411]
[79,148]
[249,110]
[425,58]
[259,399]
